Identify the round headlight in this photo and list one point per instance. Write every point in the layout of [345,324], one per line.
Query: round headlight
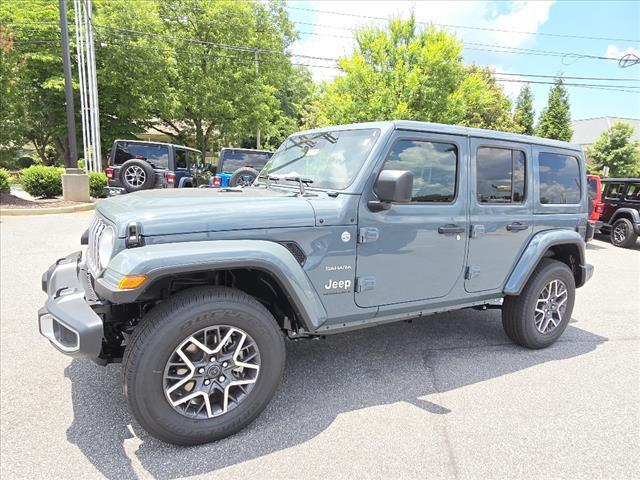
[105,246]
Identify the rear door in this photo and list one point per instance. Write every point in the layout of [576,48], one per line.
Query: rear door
[612,197]
[501,211]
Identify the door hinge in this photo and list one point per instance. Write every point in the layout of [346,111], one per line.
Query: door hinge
[365,283]
[477,231]
[471,272]
[368,235]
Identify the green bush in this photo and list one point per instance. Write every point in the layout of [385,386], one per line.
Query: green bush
[4,180]
[81,163]
[41,181]
[97,181]
[25,162]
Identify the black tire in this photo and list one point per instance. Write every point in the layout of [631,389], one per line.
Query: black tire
[161,332]
[518,312]
[243,177]
[622,234]
[135,165]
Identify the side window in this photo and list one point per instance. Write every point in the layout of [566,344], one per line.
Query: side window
[614,191]
[559,177]
[180,159]
[434,166]
[633,192]
[500,175]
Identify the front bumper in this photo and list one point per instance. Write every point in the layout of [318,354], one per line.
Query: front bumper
[67,319]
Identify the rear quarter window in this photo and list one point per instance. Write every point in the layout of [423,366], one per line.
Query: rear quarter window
[559,179]
[633,192]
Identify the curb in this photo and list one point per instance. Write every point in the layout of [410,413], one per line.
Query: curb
[12,212]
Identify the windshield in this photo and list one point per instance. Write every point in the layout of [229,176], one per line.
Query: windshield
[232,160]
[329,159]
[156,155]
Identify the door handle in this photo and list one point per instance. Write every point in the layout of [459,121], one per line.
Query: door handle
[517,226]
[451,229]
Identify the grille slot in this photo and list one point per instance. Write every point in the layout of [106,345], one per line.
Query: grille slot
[95,230]
[296,251]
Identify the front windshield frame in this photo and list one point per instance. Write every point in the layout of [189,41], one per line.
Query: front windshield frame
[369,136]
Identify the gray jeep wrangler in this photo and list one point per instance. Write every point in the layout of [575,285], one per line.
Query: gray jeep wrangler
[195,291]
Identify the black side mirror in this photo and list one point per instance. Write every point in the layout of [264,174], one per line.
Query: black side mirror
[392,186]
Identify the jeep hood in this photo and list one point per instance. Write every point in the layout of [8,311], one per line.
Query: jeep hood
[189,210]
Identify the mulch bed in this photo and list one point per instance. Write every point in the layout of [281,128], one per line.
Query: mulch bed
[11,201]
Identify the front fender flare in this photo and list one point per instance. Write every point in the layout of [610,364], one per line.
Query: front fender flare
[535,251]
[157,261]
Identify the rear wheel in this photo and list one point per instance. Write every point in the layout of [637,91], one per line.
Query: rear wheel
[622,234]
[203,365]
[537,317]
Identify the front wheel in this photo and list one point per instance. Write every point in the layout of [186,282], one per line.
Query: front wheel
[537,317]
[203,365]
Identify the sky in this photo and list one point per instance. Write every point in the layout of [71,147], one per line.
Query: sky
[326,29]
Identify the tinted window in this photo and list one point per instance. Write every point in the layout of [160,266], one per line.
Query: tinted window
[180,159]
[500,175]
[633,192]
[433,165]
[156,155]
[559,177]
[234,159]
[592,187]
[614,191]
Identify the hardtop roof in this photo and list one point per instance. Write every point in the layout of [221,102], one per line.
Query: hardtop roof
[451,130]
[150,142]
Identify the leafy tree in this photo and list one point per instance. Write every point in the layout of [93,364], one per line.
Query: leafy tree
[615,149]
[417,74]
[555,119]
[523,114]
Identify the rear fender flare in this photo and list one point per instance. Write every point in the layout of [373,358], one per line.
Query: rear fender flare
[535,251]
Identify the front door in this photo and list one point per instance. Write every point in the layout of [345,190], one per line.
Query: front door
[415,251]
[501,211]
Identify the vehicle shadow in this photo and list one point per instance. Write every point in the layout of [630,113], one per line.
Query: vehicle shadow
[401,362]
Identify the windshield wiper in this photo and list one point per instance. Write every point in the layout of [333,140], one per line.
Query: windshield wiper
[302,182]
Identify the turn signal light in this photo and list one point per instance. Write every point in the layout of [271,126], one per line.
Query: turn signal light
[131,282]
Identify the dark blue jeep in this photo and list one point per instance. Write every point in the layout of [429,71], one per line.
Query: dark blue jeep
[138,165]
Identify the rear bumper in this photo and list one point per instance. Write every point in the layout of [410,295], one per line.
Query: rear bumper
[67,318]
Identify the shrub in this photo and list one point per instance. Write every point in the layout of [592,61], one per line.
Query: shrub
[81,163]
[41,181]
[25,162]
[97,181]
[4,180]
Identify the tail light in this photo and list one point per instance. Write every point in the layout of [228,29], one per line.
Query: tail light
[599,207]
[109,172]
[216,181]
[170,177]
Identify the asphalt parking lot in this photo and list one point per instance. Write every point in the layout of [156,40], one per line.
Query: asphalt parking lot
[447,396]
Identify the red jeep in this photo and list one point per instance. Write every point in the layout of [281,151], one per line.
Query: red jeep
[596,207]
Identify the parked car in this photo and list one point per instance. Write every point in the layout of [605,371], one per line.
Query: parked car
[239,166]
[594,190]
[137,165]
[346,227]
[621,213]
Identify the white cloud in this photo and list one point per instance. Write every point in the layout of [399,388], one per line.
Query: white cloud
[526,16]
[614,52]
[510,88]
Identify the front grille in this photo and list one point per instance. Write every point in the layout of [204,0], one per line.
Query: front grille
[95,230]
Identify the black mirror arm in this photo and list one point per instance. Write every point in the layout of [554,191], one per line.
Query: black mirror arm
[378,206]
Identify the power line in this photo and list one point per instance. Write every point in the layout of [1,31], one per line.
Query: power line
[499,30]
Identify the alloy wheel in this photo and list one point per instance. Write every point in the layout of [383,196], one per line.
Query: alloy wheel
[135,176]
[551,306]
[211,372]
[620,233]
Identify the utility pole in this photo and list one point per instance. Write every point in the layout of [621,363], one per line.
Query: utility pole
[72,160]
[75,183]
[257,61]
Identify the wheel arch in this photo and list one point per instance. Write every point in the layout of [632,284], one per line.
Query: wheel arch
[566,246]
[253,266]
[628,213]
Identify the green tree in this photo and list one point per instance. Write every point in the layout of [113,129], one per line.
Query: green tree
[523,113]
[405,72]
[555,119]
[615,149]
